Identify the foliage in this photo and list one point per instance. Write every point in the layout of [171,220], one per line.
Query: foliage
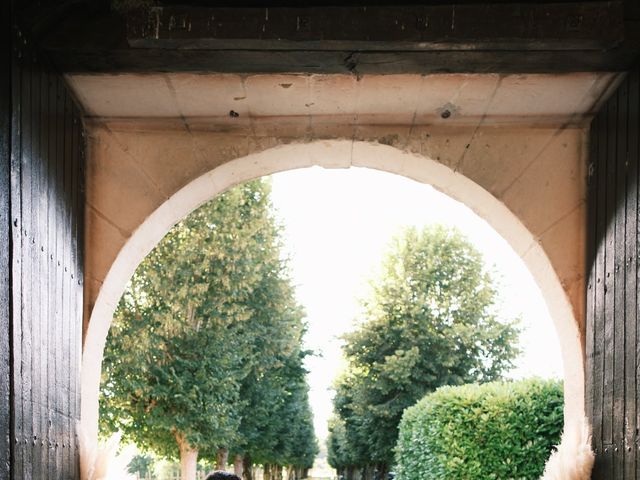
[141,464]
[339,452]
[483,432]
[275,407]
[209,317]
[300,444]
[277,427]
[430,321]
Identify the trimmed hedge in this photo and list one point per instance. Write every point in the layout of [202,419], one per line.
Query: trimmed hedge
[501,430]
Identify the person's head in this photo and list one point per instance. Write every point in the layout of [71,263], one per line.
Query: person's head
[219,475]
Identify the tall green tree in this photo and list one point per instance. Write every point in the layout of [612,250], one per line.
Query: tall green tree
[209,307]
[277,429]
[431,321]
[300,446]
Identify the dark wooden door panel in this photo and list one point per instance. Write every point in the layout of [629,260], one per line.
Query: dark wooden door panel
[612,302]
[41,213]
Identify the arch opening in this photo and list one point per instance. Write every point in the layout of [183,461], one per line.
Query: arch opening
[332,154]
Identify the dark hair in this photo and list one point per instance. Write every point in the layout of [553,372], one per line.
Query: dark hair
[220,475]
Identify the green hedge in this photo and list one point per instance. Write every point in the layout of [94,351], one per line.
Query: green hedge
[502,430]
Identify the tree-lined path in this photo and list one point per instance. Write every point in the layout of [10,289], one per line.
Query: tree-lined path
[205,357]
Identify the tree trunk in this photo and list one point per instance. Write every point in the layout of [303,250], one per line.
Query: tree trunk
[383,470]
[248,468]
[367,473]
[222,458]
[188,458]
[238,466]
[266,472]
[357,473]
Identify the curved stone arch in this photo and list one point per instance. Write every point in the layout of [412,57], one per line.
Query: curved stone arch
[331,154]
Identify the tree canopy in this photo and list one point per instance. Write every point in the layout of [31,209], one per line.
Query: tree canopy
[206,340]
[430,320]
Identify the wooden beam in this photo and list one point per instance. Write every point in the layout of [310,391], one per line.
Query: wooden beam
[515,26]
[502,38]
[339,62]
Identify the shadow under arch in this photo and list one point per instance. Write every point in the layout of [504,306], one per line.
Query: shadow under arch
[331,154]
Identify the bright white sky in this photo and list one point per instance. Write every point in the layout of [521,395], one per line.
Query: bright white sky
[338,224]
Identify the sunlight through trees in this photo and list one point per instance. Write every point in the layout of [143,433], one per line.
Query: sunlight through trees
[205,354]
[430,321]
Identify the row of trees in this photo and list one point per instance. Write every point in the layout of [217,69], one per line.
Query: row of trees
[204,357]
[430,321]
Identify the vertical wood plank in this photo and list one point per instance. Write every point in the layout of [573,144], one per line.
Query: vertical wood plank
[619,340]
[63,334]
[631,266]
[634,154]
[598,357]
[66,260]
[34,260]
[5,240]
[43,266]
[58,352]
[51,269]
[26,365]
[592,241]
[76,307]
[16,250]
[609,301]
[81,176]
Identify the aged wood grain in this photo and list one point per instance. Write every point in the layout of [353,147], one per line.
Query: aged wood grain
[5,241]
[472,37]
[612,288]
[45,202]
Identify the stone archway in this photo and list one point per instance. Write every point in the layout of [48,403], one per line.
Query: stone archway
[538,247]
[511,147]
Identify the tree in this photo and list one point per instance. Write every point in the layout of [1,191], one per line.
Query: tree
[141,465]
[211,305]
[431,321]
[277,327]
[265,388]
[300,446]
[341,453]
[347,444]
[277,429]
